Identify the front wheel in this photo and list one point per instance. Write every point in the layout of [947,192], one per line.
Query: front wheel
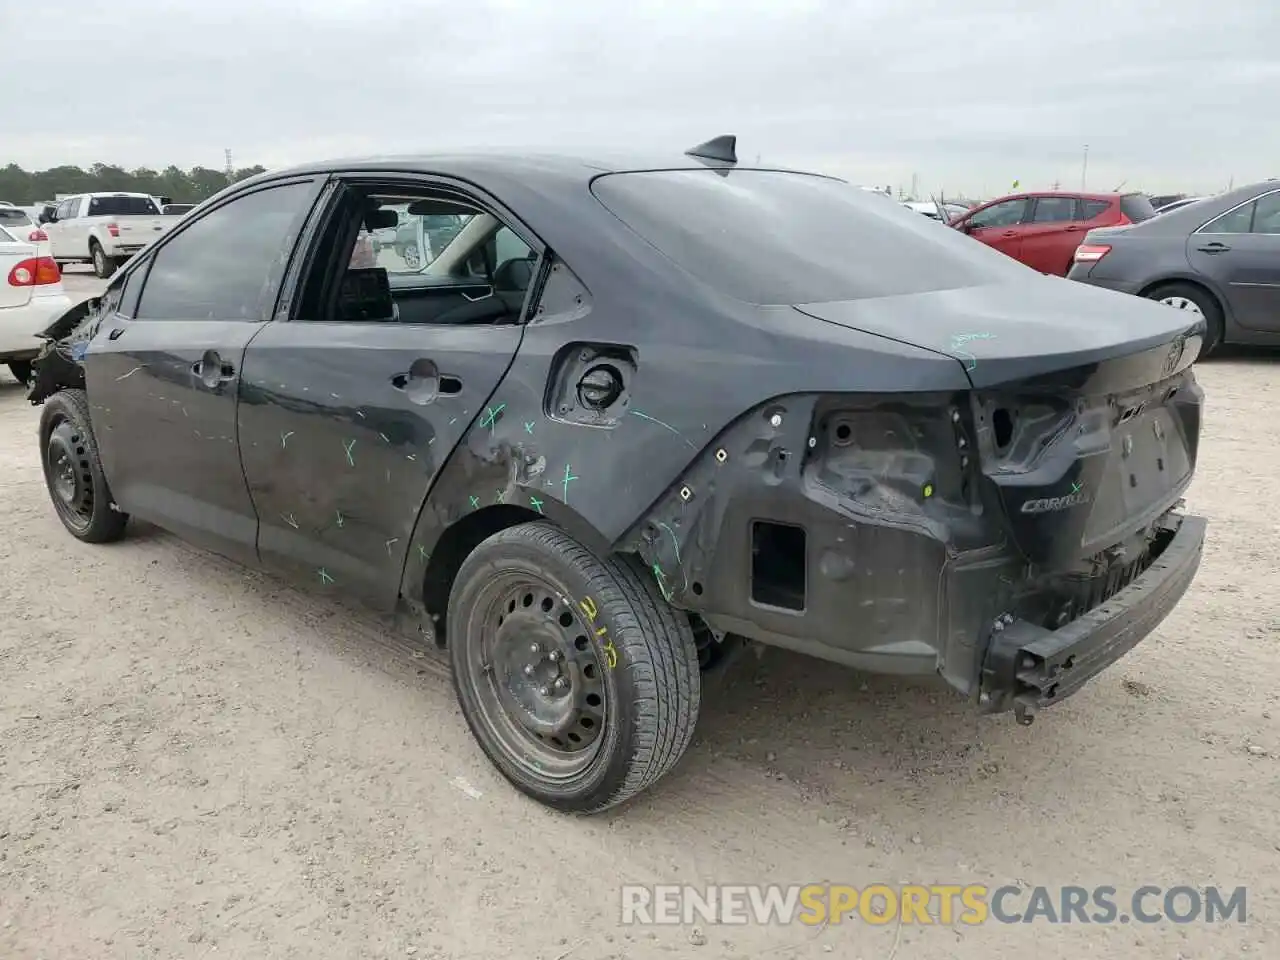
[412,259]
[73,471]
[578,680]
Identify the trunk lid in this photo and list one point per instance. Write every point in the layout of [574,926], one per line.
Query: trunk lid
[1044,327]
[1086,416]
[11,254]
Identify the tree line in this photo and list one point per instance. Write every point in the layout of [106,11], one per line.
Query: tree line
[26,188]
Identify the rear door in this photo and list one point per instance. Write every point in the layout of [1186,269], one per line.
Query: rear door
[1241,250]
[1000,225]
[163,371]
[354,399]
[1051,234]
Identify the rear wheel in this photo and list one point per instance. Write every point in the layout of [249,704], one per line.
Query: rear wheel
[103,265]
[21,370]
[579,682]
[73,472]
[1196,302]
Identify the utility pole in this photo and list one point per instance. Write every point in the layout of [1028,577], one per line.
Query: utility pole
[1084,169]
[231,171]
[1057,185]
[915,186]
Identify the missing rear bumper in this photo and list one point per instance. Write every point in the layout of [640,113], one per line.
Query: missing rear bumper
[1029,667]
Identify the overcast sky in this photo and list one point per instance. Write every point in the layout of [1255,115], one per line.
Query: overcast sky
[966,95]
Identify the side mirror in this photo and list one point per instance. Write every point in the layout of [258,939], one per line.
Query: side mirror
[45,217]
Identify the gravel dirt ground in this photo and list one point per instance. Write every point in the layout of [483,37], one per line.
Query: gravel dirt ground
[196,759]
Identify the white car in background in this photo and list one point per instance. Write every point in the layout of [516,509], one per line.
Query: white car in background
[22,225]
[104,229]
[31,298]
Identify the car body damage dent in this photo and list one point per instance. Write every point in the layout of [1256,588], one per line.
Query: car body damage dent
[60,363]
[830,524]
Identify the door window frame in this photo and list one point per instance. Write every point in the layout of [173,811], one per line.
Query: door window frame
[141,267]
[1022,217]
[312,237]
[1077,211]
[1204,227]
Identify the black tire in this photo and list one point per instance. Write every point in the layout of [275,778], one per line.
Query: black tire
[532,586]
[103,266]
[1204,301]
[73,472]
[21,370]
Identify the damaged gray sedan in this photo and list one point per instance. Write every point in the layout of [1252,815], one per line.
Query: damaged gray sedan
[638,412]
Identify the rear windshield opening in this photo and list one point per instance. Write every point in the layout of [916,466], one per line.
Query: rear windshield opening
[770,237]
[1137,207]
[122,207]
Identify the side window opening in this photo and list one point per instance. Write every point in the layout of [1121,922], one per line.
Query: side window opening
[228,264]
[1239,220]
[1054,210]
[416,257]
[1094,208]
[1003,214]
[1266,214]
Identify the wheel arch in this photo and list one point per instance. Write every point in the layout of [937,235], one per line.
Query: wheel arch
[447,533]
[1226,320]
[1191,281]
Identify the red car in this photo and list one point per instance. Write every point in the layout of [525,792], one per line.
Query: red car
[1043,229]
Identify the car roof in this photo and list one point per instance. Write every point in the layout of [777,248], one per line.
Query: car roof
[1183,220]
[535,165]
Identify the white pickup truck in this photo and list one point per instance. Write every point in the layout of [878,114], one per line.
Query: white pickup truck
[104,229]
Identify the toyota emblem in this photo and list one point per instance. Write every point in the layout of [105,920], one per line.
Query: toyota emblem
[1174,356]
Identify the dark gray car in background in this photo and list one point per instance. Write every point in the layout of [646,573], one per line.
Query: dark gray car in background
[1219,258]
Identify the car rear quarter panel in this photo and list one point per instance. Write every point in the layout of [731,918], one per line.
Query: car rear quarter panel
[694,362]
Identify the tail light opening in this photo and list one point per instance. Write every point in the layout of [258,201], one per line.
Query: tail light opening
[37,236]
[113,229]
[1091,252]
[35,272]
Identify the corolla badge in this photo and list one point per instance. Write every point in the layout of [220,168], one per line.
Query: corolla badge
[1052,504]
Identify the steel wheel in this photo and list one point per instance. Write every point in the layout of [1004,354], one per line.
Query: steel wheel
[1182,303]
[70,479]
[411,258]
[536,676]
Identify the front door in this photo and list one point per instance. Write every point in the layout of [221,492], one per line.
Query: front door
[164,368]
[1241,251]
[1051,234]
[350,408]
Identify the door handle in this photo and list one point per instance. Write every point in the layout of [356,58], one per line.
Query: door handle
[1009,233]
[1214,247]
[1074,229]
[448,385]
[212,370]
